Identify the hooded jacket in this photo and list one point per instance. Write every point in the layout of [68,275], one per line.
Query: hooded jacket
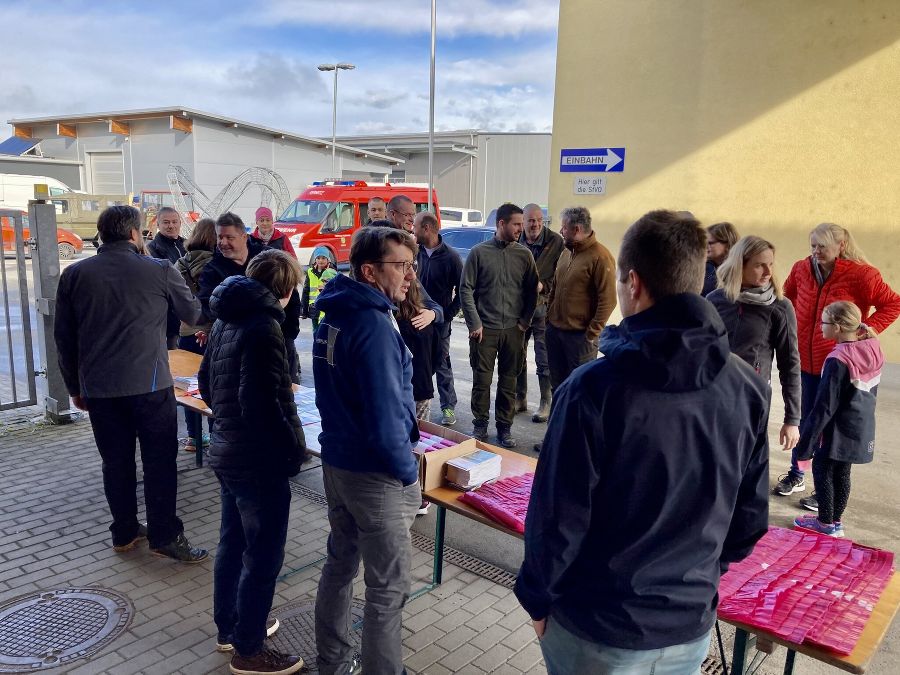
[244,378]
[653,477]
[189,267]
[166,248]
[220,268]
[363,378]
[842,420]
[857,282]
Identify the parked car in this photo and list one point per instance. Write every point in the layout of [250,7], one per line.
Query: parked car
[463,239]
[492,218]
[78,212]
[328,213]
[454,216]
[68,243]
[17,189]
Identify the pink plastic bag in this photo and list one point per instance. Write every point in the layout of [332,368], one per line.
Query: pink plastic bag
[504,500]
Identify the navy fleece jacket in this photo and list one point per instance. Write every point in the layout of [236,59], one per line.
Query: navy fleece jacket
[363,376]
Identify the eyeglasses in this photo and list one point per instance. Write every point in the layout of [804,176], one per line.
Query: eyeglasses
[409,215]
[407,265]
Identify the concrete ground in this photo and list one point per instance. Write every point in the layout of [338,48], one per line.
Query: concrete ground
[53,535]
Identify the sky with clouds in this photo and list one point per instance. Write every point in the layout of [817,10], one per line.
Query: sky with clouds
[256,61]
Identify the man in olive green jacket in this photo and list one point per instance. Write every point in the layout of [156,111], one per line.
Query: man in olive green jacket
[498,292]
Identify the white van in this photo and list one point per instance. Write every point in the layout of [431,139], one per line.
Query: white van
[16,189]
[452,216]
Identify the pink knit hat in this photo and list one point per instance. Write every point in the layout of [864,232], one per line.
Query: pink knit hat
[263,212]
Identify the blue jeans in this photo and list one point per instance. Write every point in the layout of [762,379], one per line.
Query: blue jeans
[444,370]
[809,385]
[566,653]
[251,550]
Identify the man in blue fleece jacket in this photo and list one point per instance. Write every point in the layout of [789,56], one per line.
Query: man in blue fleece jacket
[363,376]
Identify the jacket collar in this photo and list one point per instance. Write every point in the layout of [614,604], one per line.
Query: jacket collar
[542,237]
[123,246]
[583,245]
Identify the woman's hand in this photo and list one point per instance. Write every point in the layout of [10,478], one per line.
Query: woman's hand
[789,436]
[423,319]
[202,337]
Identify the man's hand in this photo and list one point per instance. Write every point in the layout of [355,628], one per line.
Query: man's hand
[79,402]
[788,436]
[522,326]
[539,627]
[201,337]
[477,334]
[423,319]
[540,287]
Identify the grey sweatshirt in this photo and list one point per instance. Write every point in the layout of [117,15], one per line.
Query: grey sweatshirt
[110,324]
[499,285]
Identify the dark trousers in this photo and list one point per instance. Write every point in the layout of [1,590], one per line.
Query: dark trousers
[506,347]
[117,423]
[566,350]
[537,329]
[370,515]
[809,385]
[250,554]
[832,482]
[444,370]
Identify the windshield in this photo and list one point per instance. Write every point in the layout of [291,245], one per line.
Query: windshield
[305,211]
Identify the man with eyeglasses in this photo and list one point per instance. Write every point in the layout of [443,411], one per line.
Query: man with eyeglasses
[363,379]
[402,212]
[498,291]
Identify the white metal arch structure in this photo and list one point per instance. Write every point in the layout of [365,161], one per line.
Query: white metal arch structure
[273,192]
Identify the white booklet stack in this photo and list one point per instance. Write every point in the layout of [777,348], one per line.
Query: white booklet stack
[470,471]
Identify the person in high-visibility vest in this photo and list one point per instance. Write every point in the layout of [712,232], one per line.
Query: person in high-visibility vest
[316,277]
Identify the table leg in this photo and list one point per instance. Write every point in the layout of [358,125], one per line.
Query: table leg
[789,662]
[739,654]
[194,422]
[440,523]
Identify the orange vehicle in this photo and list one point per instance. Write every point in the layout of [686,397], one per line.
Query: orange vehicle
[328,213]
[68,243]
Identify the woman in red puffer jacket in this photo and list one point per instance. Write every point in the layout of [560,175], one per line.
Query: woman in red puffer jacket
[836,270]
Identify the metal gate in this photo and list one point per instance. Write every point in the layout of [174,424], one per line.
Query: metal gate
[17,374]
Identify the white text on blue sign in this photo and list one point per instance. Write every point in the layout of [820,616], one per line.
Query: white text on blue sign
[592,159]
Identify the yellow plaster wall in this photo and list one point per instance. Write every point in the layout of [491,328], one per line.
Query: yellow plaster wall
[773,114]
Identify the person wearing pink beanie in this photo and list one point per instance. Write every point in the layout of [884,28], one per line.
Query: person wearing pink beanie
[266,234]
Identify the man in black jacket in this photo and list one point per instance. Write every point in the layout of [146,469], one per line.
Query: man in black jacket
[440,269]
[110,335]
[234,251]
[257,444]
[653,475]
[168,244]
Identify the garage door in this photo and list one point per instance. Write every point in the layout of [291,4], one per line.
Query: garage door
[107,173]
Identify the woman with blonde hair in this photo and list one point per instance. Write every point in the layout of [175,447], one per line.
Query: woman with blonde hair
[839,431]
[836,270]
[760,322]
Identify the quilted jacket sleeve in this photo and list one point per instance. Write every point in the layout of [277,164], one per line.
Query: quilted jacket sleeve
[883,298]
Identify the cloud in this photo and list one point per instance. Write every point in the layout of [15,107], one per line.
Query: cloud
[272,77]
[455,18]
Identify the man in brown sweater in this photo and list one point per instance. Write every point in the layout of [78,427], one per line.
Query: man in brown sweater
[582,297]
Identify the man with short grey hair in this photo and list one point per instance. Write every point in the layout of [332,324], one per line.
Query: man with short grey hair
[582,297]
[168,244]
[376,209]
[402,211]
[110,332]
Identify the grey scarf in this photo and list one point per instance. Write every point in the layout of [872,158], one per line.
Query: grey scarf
[758,296]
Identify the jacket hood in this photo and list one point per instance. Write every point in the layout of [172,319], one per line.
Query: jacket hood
[195,260]
[276,234]
[343,294]
[238,297]
[678,344]
[863,358]
[584,244]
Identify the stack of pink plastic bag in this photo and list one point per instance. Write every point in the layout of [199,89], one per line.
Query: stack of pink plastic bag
[504,500]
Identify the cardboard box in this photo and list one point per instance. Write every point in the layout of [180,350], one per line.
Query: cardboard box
[431,464]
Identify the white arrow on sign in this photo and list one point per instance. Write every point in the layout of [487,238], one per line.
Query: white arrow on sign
[612,159]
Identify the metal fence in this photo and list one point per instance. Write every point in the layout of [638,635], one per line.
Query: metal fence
[17,373]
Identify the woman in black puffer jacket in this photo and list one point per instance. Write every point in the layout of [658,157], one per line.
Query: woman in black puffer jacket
[257,444]
[761,322]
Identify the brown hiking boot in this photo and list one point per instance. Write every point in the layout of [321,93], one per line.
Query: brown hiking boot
[266,661]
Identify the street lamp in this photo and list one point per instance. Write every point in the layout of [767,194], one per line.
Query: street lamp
[327,67]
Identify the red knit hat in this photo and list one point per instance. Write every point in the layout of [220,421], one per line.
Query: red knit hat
[263,212]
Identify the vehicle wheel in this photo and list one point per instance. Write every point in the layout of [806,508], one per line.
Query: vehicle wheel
[66,251]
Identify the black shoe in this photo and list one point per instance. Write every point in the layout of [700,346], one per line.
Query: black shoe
[789,484]
[479,431]
[180,549]
[138,538]
[504,437]
[810,503]
[266,661]
[224,644]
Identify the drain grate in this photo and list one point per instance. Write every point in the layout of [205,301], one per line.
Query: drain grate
[297,634]
[712,666]
[52,628]
[423,542]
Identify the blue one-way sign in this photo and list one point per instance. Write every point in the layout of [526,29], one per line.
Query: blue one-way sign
[592,159]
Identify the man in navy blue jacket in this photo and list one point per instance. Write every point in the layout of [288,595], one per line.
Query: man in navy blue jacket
[363,377]
[653,474]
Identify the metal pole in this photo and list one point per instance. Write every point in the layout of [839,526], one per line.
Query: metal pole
[334,126]
[45,262]
[484,190]
[431,110]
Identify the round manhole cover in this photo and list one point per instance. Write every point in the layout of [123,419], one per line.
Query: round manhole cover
[52,628]
[297,634]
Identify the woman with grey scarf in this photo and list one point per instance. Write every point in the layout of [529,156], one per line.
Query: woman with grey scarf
[761,322]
